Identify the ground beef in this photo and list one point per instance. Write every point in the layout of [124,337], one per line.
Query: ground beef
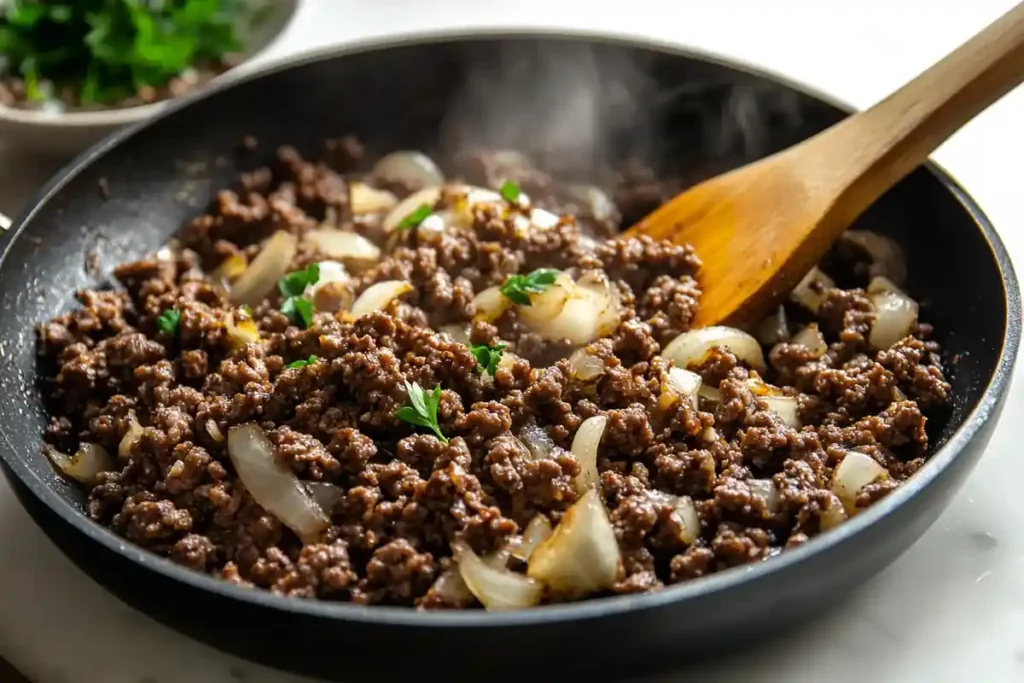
[161,394]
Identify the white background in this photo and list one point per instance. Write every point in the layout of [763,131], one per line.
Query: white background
[950,610]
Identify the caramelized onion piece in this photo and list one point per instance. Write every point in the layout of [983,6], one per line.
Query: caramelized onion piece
[428,196]
[272,484]
[895,313]
[364,199]
[131,437]
[536,532]
[496,588]
[377,297]
[325,494]
[579,312]
[683,382]
[886,255]
[547,305]
[241,329]
[584,449]
[810,292]
[686,514]
[490,304]
[812,339]
[260,278]
[346,246]
[851,476]
[230,268]
[833,515]
[586,367]
[332,291]
[581,556]
[786,407]
[691,348]
[411,168]
[536,441]
[765,489]
[774,328]
[85,465]
[457,332]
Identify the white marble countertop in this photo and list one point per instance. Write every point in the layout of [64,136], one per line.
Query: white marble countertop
[950,610]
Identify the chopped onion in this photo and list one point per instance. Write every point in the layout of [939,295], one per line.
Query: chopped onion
[686,515]
[586,367]
[325,494]
[241,332]
[887,257]
[582,555]
[765,489]
[536,532]
[496,589]
[709,393]
[272,484]
[684,382]
[428,196]
[490,304]
[852,474]
[691,348]
[457,332]
[214,431]
[452,589]
[579,312]
[895,313]
[786,407]
[811,339]
[774,328]
[537,441]
[411,168]
[230,268]
[584,449]
[547,305]
[344,245]
[331,292]
[131,437]
[594,201]
[834,515]
[377,297]
[364,199]
[85,465]
[811,290]
[260,278]
[543,220]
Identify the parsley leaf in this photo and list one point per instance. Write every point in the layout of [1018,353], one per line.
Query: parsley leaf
[487,358]
[169,321]
[510,192]
[295,282]
[518,288]
[416,217]
[299,309]
[422,409]
[296,364]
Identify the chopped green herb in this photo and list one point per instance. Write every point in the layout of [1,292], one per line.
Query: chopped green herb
[510,192]
[422,409]
[299,309]
[295,282]
[295,364]
[416,217]
[169,321]
[247,309]
[487,358]
[518,288]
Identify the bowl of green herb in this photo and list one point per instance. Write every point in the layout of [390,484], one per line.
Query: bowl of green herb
[72,72]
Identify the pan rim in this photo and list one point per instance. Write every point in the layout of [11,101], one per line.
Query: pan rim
[706,587]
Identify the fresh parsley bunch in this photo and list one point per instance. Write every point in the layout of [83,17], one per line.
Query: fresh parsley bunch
[107,50]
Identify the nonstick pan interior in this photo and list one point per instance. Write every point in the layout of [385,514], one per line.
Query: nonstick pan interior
[699,118]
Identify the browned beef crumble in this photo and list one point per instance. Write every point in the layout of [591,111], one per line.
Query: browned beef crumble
[407,495]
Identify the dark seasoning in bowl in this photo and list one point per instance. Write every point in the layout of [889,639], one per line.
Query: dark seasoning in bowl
[338,384]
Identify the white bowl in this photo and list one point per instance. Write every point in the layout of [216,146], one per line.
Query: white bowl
[67,134]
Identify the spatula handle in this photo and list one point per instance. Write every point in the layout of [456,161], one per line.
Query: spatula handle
[896,135]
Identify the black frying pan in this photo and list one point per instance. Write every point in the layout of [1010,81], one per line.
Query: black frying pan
[708,117]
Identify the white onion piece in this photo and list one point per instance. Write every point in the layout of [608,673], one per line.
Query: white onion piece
[543,220]
[325,494]
[689,521]
[765,489]
[586,367]
[344,245]
[895,316]
[594,200]
[499,558]
[774,328]
[584,449]
[786,407]
[590,312]
[880,285]
[582,555]
[427,196]
[452,589]
[547,305]
[684,382]
[364,199]
[852,474]
[85,465]
[260,278]
[241,329]
[131,437]
[811,290]
[377,297]
[691,348]
[272,484]
[834,515]
[886,255]
[412,168]
[457,332]
[490,304]
[811,339]
[213,429]
[536,441]
[709,393]
[496,589]
[330,292]
[535,533]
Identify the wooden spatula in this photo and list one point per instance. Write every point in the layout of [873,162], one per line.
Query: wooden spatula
[760,228]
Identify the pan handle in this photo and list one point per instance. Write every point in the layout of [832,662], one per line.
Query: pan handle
[5,222]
